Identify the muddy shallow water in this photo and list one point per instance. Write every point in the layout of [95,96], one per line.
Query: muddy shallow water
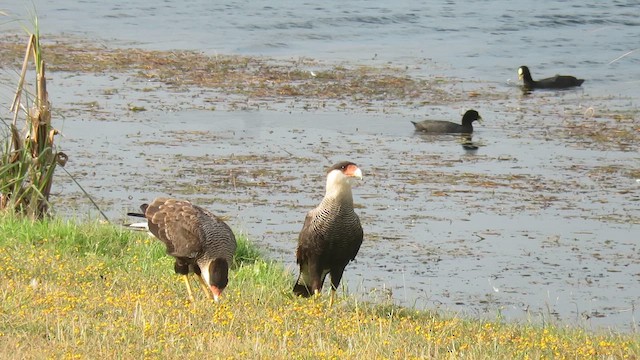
[539,222]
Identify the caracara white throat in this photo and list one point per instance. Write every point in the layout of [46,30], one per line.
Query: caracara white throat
[200,241]
[331,235]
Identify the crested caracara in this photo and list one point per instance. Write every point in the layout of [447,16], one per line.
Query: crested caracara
[200,242]
[331,235]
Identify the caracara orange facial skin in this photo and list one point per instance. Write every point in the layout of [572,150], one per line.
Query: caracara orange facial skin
[331,235]
[217,292]
[353,170]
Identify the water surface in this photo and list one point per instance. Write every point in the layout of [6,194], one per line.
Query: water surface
[486,40]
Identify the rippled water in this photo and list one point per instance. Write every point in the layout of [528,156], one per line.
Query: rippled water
[533,223]
[486,40]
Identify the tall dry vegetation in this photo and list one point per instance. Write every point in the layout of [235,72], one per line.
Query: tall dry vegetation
[29,158]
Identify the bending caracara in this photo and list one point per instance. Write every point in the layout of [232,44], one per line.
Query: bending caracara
[201,242]
[331,235]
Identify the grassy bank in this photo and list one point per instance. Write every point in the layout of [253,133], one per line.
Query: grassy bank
[95,291]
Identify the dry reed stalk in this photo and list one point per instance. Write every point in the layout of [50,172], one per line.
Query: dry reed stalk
[28,168]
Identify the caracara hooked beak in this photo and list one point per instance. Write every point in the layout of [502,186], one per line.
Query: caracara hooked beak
[352,170]
[217,292]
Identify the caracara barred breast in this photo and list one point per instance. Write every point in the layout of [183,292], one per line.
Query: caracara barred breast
[200,241]
[331,235]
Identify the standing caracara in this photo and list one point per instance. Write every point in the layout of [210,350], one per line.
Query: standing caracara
[331,235]
[201,242]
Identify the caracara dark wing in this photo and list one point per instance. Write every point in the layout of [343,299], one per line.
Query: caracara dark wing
[554,82]
[331,235]
[200,241]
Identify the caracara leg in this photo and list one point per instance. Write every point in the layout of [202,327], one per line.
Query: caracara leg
[310,280]
[204,287]
[336,276]
[186,281]
[333,296]
[315,275]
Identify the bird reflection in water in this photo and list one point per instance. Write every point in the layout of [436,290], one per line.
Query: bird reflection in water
[467,143]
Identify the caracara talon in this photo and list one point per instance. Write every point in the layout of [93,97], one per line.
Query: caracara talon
[331,235]
[200,241]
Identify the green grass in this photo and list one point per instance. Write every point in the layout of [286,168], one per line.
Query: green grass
[91,291]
